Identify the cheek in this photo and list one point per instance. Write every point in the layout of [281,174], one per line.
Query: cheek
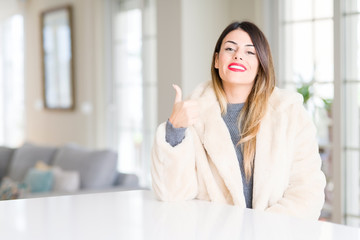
[223,60]
[255,65]
[221,67]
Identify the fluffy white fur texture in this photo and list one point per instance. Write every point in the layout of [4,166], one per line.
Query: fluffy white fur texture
[287,171]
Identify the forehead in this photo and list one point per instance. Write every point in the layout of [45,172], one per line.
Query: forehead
[239,36]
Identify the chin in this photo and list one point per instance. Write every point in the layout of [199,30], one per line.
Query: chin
[239,82]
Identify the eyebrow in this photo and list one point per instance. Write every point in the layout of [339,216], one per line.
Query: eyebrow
[247,45]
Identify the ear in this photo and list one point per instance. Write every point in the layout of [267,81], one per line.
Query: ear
[216,61]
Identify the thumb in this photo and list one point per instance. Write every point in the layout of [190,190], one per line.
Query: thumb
[178,95]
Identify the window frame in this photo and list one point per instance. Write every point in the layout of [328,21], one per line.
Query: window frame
[276,36]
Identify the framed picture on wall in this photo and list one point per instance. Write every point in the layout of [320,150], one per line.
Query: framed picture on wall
[57,59]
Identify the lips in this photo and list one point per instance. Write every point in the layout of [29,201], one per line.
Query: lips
[236,67]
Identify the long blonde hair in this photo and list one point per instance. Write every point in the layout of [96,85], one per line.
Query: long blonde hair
[255,106]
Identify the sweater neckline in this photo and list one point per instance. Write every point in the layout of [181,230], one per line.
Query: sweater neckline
[235,107]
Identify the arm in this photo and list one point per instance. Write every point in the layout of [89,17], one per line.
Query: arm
[174,135]
[173,168]
[304,196]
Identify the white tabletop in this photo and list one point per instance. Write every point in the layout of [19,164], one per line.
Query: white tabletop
[138,215]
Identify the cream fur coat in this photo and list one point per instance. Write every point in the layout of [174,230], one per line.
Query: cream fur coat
[287,171]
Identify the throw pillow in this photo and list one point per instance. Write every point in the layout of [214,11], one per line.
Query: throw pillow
[39,180]
[40,165]
[26,157]
[10,189]
[97,168]
[65,181]
[5,156]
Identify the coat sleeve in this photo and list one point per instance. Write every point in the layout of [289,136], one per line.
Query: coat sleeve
[304,196]
[173,169]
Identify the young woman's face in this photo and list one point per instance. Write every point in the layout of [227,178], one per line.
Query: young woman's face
[237,61]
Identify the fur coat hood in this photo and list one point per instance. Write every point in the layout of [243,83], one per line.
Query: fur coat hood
[287,167]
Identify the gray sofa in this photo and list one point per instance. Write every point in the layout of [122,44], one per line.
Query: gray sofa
[69,169]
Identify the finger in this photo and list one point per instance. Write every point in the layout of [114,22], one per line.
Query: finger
[178,96]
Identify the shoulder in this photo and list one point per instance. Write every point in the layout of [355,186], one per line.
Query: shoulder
[204,89]
[283,99]
[208,104]
[287,104]
[205,95]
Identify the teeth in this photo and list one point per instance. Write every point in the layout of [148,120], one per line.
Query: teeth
[237,67]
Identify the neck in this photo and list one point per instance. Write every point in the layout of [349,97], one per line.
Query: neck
[236,93]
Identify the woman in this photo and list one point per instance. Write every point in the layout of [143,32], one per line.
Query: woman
[238,139]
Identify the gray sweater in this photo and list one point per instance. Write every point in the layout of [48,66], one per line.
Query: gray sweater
[174,136]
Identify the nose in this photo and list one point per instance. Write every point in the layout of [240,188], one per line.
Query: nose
[238,55]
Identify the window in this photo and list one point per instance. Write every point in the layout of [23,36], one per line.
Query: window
[12,81]
[307,67]
[351,89]
[132,86]
[312,32]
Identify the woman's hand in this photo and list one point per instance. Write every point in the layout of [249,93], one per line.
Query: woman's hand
[185,113]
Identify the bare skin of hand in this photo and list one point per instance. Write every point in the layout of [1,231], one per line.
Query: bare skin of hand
[185,113]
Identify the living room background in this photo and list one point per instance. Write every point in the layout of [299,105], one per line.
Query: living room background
[96,121]
[177,50]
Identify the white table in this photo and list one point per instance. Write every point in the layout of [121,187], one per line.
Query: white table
[138,215]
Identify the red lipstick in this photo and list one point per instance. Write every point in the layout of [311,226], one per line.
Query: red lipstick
[236,67]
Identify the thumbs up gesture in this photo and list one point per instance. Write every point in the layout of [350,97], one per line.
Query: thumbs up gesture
[185,113]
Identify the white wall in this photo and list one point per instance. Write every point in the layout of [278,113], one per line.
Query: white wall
[186,35]
[9,8]
[59,127]
[186,39]
[202,24]
[169,54]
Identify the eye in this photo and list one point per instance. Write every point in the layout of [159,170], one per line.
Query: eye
[250,53]
[229,49]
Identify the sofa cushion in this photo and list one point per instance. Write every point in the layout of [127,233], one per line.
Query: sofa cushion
[5,156]
[39,180]
[127,180]
[10,189]
[26,157]
[65,181]
[97,168]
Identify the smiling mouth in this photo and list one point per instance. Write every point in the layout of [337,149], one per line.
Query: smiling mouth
[237,68]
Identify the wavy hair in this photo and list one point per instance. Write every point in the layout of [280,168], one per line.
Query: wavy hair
[255,106]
